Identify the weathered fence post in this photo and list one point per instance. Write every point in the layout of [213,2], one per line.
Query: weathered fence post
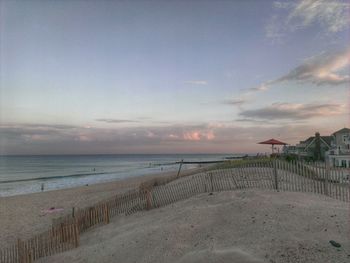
[211,182]
[76,234]
[62,233]
[106,213]
[326,179]
[29,256]
[148,199]
[275,173]
[205,182]
[20,251]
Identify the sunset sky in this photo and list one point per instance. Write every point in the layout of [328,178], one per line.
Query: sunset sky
[89,77]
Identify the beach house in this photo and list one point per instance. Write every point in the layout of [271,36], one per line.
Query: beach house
[339,153]
[314,147]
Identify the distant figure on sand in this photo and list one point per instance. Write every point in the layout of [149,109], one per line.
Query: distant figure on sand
[42,187]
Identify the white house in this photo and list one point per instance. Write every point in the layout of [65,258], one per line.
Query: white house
[339,153]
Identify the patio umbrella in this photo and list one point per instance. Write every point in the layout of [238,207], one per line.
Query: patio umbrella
[273,142]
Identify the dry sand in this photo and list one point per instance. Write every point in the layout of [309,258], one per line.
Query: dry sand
[235,226]
[23,216]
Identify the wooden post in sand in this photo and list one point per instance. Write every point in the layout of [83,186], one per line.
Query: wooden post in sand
[178,172]
[275,173]
[76,234]
[106,213]
[148,199]
[20,251]
[28,256]
[326,178]
[62,235]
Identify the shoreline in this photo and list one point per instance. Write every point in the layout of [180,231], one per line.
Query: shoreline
[121,180]
[27,176]
[24,215]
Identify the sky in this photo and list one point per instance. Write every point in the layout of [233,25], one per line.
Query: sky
[120,77]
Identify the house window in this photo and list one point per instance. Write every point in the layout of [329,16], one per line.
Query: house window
[338,163]
[343,163]
[346,139]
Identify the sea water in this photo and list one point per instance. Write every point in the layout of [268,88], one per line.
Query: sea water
[28,174]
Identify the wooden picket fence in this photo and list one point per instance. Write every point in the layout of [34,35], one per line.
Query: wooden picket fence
[265,174]
[55,240]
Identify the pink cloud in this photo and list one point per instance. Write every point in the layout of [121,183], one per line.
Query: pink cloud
[172,136]
[210,136]
[150,134]
[192,136]
[198,136]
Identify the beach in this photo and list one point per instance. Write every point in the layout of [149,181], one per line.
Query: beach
[23,216]
[234,226]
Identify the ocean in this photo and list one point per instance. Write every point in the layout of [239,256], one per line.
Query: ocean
[27,174]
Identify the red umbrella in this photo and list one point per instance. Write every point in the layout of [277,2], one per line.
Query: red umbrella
[273,142]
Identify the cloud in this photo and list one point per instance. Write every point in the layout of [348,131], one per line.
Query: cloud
[249,120]
[332,16]
[23,133]
[262,87]
[235,102]
[273,30]
[321,69]
[196,82]
[198,135]
[47,126]
[205,138]
[33,137]
[116,120]
[326,68]
[291,111]
[283,5]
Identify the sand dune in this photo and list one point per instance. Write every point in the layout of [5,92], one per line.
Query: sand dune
[235,226]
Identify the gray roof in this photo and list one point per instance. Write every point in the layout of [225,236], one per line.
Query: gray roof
[344,130]
[326,139]
[308,140]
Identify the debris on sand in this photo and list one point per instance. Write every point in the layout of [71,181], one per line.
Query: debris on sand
[334,243]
